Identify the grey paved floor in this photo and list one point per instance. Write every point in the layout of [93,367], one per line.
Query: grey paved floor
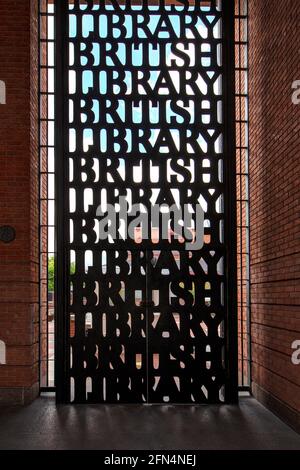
[42,425]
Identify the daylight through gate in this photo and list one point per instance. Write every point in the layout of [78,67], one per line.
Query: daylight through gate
[145,202]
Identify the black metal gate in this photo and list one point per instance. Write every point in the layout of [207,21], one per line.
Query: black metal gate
[145,116]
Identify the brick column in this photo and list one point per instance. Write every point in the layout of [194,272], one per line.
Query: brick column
[19,314]
[274,64]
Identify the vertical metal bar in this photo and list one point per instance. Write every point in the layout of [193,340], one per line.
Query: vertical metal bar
[61,359]
[39,186]
[47,198]
[231,390]
[148,299]
[248,213]
[241,193]
[244,223]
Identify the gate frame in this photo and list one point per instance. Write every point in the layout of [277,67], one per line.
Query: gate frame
[62,324]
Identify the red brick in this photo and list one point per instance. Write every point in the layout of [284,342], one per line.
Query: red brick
[274,196]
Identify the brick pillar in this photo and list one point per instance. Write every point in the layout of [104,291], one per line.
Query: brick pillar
[19,313]
[274,64]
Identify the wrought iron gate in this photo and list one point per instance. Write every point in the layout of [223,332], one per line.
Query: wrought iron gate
[145,114]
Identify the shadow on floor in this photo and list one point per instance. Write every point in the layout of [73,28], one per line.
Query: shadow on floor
[43,425]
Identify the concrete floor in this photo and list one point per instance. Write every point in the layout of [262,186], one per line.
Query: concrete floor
[42,425]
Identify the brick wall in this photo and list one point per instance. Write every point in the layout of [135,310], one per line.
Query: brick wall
[274,63]
[18,200]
